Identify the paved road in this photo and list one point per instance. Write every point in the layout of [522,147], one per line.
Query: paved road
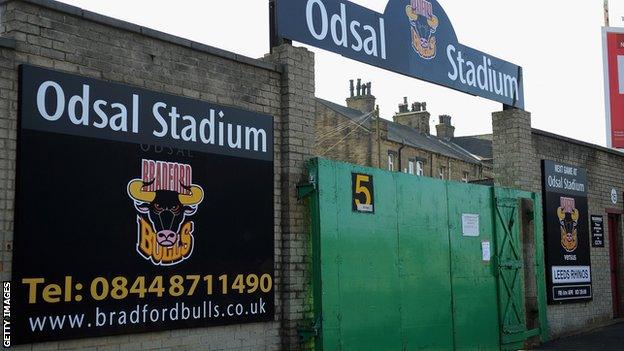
[607,339]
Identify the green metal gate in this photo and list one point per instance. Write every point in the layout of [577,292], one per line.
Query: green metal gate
[397,264]
[509,253]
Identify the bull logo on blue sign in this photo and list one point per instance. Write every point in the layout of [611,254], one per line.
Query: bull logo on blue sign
[411,37]
[424,25]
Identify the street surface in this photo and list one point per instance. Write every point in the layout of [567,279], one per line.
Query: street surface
[607,339]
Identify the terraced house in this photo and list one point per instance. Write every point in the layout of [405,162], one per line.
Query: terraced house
[356,133]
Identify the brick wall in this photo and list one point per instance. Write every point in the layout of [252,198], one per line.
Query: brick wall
[518,151]
[8,144]
[66,38]
[511,144]
[432,162]
[297,143]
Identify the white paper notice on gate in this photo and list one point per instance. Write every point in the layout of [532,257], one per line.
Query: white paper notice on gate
[470,224]
[485,251]
[570,274]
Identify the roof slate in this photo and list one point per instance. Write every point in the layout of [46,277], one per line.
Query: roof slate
[478,145]
[343,110]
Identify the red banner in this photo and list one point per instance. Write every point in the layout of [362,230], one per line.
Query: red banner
[614,83]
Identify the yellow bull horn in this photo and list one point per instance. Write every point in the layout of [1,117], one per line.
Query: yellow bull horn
[135,190]
[196,196]
[411,13]
[560,213]
[575,215]
[433,22]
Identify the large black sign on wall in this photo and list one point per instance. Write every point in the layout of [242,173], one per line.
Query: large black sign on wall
[138,211]
[568,263]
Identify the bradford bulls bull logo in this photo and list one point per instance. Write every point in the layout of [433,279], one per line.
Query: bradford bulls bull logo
[165,198]
[568,218]
[424,25]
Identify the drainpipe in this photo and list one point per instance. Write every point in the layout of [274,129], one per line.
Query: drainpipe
[401,149]
[431,165]
[378,138]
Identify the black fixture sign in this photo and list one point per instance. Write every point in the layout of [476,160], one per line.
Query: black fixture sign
[567,239]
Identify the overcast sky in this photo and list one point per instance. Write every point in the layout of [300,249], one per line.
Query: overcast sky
[557,42]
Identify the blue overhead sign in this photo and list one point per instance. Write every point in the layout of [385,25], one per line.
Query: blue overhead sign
[412,37]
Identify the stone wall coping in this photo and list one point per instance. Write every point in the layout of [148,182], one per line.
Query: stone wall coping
[152,33]
[577,142]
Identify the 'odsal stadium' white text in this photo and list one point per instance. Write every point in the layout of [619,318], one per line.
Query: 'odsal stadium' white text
[89,111]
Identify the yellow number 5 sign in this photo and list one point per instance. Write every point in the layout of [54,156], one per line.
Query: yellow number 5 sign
[362,193]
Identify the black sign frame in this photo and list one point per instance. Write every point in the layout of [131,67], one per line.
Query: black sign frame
[362,193]
[83,227]
[566,235]
[597,230]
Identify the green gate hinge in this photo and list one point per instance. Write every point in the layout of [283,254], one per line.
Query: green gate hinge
[307,333]
[506,202]
[515,334]
[511,264]
[532,332]
[304,190]
[514,329]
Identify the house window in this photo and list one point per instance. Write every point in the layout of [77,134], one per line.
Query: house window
[442,172]
[465,177]
[420,168]
[391,160]
[411,167]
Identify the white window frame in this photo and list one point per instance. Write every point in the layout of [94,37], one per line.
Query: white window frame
[420,168]
[465,176]
[391,161]
[441,172]
[411,167]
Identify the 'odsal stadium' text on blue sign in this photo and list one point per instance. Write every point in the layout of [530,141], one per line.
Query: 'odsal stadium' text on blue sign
[412,37]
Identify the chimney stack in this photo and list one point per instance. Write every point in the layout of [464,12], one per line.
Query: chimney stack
[418,118]
[403,106]
[363,100]
[445,130]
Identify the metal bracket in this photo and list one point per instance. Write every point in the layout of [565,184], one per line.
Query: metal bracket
[510,264]
[305,190]
[514,329]
[274,39]
[506,202]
